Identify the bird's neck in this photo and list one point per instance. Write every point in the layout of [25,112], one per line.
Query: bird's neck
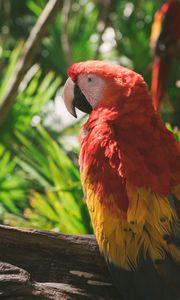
[122,115]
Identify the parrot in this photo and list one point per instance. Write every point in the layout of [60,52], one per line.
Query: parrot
[165,42]
[130,174]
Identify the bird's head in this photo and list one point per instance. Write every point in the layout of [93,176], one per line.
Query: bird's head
[94,84]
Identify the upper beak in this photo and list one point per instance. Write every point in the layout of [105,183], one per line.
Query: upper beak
[73,97]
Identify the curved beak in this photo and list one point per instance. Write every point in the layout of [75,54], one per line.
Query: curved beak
[73,97]
[68,95]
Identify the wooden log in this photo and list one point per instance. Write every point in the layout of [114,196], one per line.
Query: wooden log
[47,265]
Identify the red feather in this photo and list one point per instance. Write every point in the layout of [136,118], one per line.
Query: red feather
[165,37]
[126,137]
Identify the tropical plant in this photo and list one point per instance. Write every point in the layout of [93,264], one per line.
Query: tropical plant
[56,194]
[39,178]
[44,190]
[34,92]
[13,186]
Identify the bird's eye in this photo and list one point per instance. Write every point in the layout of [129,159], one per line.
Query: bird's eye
[89,79]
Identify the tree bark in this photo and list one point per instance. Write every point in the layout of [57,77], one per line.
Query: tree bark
[48,265]
[29,50]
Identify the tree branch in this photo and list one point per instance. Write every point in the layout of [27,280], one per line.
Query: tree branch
[47,265]
[102,22]
[30,47]
[64,37]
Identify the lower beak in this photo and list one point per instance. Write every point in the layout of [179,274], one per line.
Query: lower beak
[73,97]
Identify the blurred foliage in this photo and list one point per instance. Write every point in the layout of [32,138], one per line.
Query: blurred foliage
[56,195]
[118,30]
[34,92]
[40,185]
[13,186]
[39,177]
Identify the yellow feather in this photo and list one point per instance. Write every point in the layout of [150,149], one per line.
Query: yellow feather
[121,238]
[137,205]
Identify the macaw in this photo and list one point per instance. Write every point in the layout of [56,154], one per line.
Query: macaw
[130,173]
[165,42]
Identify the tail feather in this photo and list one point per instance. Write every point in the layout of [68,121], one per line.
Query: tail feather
[147,282]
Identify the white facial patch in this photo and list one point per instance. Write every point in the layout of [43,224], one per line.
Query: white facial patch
[92,86]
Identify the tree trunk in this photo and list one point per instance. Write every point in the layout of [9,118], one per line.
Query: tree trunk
[48,265]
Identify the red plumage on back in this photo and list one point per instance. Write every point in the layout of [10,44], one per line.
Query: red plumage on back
[165,37]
